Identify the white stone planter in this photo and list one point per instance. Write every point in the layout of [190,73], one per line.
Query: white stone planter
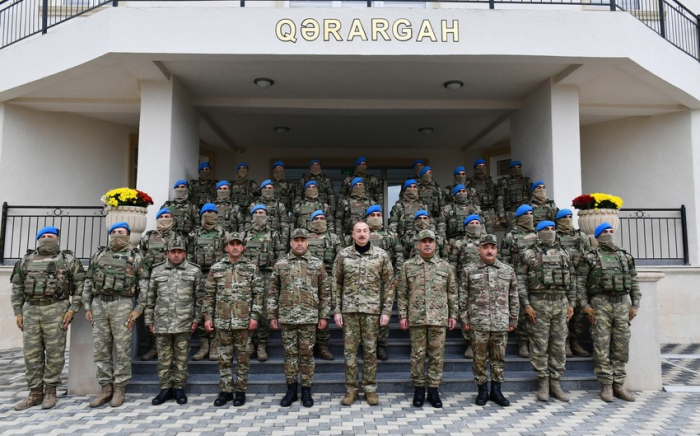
[589,219]
[135,216]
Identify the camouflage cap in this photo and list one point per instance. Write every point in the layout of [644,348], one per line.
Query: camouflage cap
[300,233]
[177,243]
[426,234]
[488,239]
[234,236]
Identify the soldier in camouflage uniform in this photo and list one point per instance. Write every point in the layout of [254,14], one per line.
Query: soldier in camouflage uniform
[277,212]
[460,178]
[488,303]
[310,204]
[422,221]
[202,190]
[113,279]
[324,245]
[285,190]
[172,312]
[352,209]
[485,194]
[577,244]
[362,292]
[42,284]
[543,208]
[515,242]
[454,214]
[429,193]
[325,187]
[263,248]
[244,191]
[427,303]
[389,242]
[608,292]
[511,192]
[206,247]
[185,213]
[463,252]
[417,166]
[230,216]
[547,292]
[373,186]
[153,248]
[233,306]
[299,302]
[402,216]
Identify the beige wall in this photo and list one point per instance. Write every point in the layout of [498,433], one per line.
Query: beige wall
[679,300]
[11,335]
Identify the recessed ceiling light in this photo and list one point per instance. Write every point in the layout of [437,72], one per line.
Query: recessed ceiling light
[281,129]
[426,130]
[263,82]
[453,85]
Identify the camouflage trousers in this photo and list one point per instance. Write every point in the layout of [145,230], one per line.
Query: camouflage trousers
[488,215]
[201,331]
[510,218]
[360,328]
[430,341]
[548,336]
[298,341]
[110,332]
[262,333]
[578,324]
[173,351]
[492,346]
[521,331]
[383,338]
[323,337]
[230,341]
[611,339]
[44,343]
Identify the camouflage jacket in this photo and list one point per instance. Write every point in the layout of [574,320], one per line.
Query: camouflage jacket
[363,283]
[285,191]
[485,192]
[206,247]
[277,217]
[546,211]
[449,198]
[511,192]
[243,192]
[325,189]
[303,210]
[171,300]
[389,242]
[39,277]
[453,216]
[263,248]
[431,195]
[488,297]
[299,290]
[410,239]
[374,188]
[153,247]
[233,294]
[202,191]
[576,243]
[115,273]
[350,210]
[230,216]
[427,292]
[514,245]
[548,271]
[610,272]
[325,246]
[185,216]
[403,214]
[462,253]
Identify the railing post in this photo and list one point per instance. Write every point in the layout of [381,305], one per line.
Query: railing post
[684,229]
[613,5]
[242,3]
[369,3]
[697,26]
[662,20]
[44,16]
[492,4]
[3,232]
[115,3]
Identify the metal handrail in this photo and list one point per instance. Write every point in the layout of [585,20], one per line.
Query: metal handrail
[655,235]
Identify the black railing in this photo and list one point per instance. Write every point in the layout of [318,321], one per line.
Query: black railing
[20,19]
[655,236]
[82,229]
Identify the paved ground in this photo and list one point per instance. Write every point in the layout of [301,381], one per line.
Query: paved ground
[668,413]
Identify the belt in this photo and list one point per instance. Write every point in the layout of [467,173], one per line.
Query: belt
[109,298]
[550,297]
[42,301]
[613,298]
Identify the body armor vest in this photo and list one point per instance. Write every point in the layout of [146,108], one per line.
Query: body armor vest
[201,192]
[485,193]
[115,276]
[543,212]
[224,220]
[208,249]
[552,272]
[615,277]
[517,192]
[322,247]
[42,278]
[455,223]
[259,251]
[182,220]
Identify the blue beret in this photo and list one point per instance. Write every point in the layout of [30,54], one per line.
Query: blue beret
[241,165]
[416,162]
[279,163]
[514,163]
[424,170]
[458,169]
[601,228]
[120,225]
[563,212]
[375,208]
[409,182]
[317,213]
[314,161]
[203,165]
[209,207]
[536,184]
[309,183]
[181,182]
[222,183]
[265,183]
[258,207]
[479,162]
[356,180]
[544,224]
[471,218]
[163,211]
[45,230]
[522,210]
[421,213]
[458,188]
[360,160]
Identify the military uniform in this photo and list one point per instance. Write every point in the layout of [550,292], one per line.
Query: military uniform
[373,187]
[462,253]
[326,194]
[546,211]
[324,246]
[485,198]
[389,242]
[350,210]
[362,289]
[277,217]
[230,216]
[449,198]
[454,215]
[285,191]
[430,194]
[185,215]
[202,191]
[511,192]
[402,216]
[577,244]
[410,239]
[244,192]
[303,210]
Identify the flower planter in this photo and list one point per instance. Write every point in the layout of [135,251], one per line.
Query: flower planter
[589,219]
[135,216]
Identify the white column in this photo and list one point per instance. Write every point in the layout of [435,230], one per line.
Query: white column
[545,137]
[644,367]
[693,215]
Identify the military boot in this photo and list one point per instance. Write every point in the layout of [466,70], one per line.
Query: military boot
[290,396]
[49,397]
[163,396]
[556,390]
[543,389]
[618,389]
[522,348]
[606,393]
[306,399]
[324,353]
[213,350]
[349,398]
[239,399]
[35,397]
[262,353]
[382,354]
[180,396]
[371,398]
[223,398]
[419,396]
[151,354]
[434,398]
[568,350]
[119,396]
[203,349]
[105,395]
[577,349]
[497,396]
[483,396]
[469,353]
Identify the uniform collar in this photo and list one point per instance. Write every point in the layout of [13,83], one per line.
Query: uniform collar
[482,264]
[169,265]
[293,256]
[433,259]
